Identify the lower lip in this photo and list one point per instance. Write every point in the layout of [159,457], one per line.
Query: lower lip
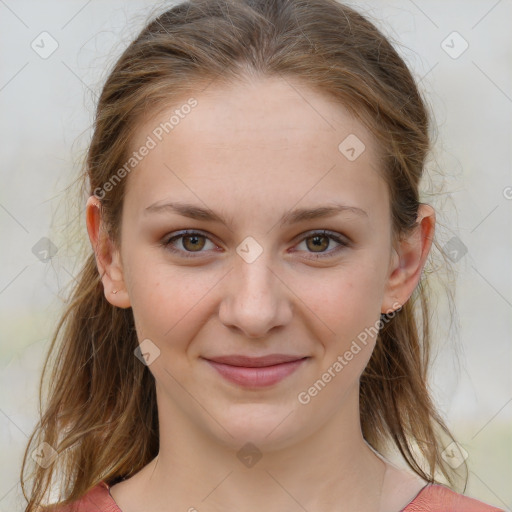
[256,377]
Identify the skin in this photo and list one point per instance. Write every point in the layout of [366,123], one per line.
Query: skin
[252,152]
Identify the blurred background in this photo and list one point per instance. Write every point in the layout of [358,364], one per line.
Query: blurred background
[54,58]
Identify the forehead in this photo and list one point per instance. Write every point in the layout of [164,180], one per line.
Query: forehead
[275,138]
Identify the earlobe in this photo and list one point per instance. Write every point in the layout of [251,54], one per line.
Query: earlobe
[107,256]
[409,259]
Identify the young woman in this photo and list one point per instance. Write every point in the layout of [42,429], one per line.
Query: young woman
[250,329]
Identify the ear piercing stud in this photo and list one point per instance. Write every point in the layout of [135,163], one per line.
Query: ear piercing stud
[114,291]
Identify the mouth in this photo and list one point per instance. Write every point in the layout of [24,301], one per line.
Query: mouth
[256,372]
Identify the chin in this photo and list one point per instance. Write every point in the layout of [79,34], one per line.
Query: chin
[268,427]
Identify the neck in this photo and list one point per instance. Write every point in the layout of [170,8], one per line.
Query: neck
[331,468]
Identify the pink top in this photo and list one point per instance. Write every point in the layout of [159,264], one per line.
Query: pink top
[432,498]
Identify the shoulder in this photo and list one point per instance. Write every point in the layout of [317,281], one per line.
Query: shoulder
[438,498]
[97,499]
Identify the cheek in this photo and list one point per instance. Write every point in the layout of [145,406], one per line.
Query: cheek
[348,304]
[347,299]
[167,302]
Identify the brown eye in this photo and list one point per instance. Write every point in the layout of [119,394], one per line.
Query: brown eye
[187,244]
[318,243]
[193,242]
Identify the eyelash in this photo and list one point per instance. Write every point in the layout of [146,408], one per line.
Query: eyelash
[167,243]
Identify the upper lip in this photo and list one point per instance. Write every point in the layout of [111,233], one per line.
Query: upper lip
[255,362]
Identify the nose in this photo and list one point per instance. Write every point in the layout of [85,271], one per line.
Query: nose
[255,299]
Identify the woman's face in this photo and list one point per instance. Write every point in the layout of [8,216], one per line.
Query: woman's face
[257,172]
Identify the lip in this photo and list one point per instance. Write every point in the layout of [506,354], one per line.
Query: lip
[256,372]
[255,362]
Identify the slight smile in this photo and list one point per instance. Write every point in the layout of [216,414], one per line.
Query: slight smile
[256,372]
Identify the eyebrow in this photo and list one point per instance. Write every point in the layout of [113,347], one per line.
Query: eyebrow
[298,215]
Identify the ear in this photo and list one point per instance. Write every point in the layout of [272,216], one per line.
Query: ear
[408,260]
[108,259]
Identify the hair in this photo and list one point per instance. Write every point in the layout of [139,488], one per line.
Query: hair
[101,412]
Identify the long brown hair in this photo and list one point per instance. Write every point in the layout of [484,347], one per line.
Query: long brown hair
[101,412]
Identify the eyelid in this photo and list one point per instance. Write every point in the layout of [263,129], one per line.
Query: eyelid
[326,232]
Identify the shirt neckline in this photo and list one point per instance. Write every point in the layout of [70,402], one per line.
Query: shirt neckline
[428,484]
[418,494]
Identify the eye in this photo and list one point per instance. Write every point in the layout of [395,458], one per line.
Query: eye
[318,241]
[188,242]
[191,242]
